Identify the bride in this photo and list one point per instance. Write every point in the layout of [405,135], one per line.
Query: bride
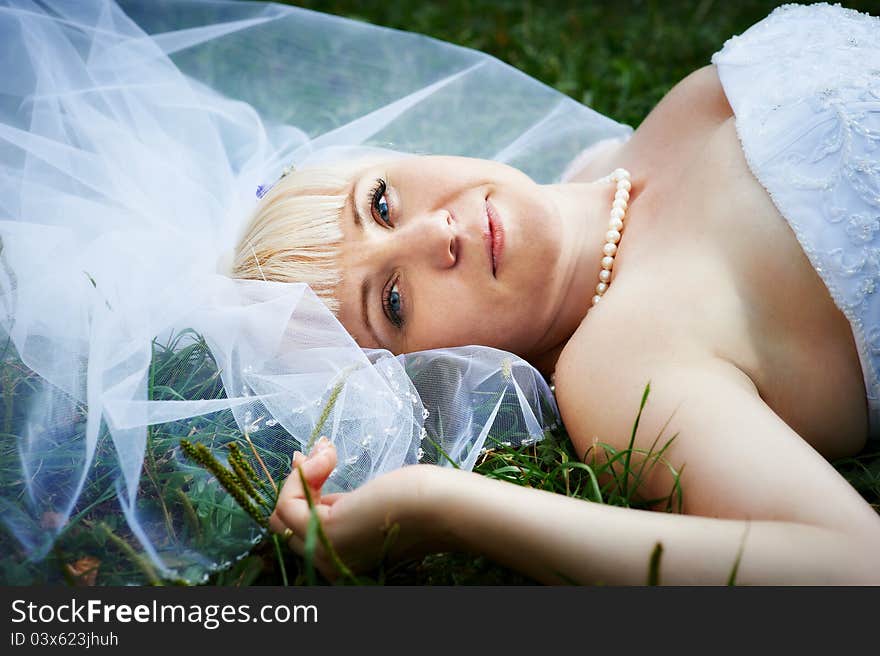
[533,256]
[696,266]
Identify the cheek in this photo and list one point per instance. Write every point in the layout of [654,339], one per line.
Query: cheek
[446,314]
[458,318]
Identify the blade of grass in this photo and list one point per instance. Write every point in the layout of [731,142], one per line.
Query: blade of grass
[280,559]
[731,580]
[632,438]
[654,565]
[341,567]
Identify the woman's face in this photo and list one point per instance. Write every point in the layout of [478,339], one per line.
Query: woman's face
[418,265]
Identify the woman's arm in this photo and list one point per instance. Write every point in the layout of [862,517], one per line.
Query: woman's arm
[757,495]
[750,484]
[741,466]
[557,539]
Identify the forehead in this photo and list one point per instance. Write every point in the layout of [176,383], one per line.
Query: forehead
[409,167]
[353,265]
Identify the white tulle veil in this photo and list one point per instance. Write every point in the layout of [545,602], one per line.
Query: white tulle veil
[132,139]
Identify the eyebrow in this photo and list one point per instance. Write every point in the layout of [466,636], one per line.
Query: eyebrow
[365,315]
[358,219]
[365,285]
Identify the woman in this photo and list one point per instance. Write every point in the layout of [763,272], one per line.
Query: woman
[132,141]
[711,298]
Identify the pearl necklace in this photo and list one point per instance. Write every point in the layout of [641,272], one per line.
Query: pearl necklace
[612,237]
[615,227]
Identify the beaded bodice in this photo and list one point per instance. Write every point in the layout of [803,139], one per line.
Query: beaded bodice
[804,85]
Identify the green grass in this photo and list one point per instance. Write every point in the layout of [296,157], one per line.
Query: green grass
[618,56]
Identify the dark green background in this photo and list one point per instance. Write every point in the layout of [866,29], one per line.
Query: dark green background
[618,57]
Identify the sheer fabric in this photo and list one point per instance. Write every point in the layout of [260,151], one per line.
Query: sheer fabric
[132,139]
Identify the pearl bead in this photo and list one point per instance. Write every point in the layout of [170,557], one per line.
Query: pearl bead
[615,225]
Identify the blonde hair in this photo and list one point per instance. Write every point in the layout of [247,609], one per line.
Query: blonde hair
[294,234]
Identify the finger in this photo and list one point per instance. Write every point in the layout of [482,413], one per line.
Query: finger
[333,497]
[324,566]
[315,470]
[292,487]
[318,467]
[296,544]
[295,514]
[276,525]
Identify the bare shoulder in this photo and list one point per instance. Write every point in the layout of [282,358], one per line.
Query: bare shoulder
[736,458]
[702,89]
[678,124]
[675,128]
[610,363]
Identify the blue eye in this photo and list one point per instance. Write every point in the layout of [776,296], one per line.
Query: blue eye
[392,303]
[378,202]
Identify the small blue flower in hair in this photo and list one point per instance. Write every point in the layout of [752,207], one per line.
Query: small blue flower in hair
[262,190]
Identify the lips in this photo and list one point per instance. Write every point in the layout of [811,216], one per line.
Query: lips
[494,235]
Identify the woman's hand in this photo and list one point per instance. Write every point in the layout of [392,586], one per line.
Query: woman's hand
[358,524]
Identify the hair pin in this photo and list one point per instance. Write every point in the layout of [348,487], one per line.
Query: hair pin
[262,190]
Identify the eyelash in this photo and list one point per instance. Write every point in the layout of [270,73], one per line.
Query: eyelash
[376,193]
[395,318]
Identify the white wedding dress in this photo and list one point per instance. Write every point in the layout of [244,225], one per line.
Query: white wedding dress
[804,84]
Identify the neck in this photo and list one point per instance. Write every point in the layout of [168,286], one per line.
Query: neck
[584,214]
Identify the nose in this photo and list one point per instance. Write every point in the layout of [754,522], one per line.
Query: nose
[431,239]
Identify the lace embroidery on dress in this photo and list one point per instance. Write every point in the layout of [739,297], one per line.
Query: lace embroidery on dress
[804,85]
